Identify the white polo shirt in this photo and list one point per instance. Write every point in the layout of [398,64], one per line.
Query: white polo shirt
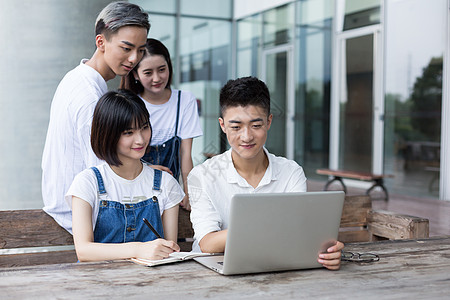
[212,184]
[68,148]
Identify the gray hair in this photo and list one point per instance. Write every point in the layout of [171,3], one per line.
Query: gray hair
[119,14]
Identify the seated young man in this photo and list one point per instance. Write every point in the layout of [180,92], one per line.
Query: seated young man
[246,168]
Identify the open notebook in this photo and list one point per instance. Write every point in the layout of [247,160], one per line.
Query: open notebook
[173,257]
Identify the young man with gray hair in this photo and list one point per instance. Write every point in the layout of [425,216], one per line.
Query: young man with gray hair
[121,31]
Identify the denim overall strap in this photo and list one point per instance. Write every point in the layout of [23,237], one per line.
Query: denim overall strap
[178,113]
[167,153]
[101,185]
[122,223]
[157,180]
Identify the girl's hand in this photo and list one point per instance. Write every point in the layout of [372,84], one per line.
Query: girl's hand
[162,168]
[185,203]
[156,249]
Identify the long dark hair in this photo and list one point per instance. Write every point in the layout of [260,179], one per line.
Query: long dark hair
[152,47]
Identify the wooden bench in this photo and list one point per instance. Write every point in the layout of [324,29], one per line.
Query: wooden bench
[31,237]
[432,186]
[185,231]
[359,223]
[378,179]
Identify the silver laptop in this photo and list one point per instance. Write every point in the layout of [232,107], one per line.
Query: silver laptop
[278,231]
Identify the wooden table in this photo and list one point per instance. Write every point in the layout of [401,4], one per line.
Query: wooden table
[417,269]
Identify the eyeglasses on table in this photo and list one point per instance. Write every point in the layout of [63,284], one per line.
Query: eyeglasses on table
[359,257]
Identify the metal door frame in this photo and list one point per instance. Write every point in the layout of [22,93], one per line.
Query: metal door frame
[339,92]
[290,91]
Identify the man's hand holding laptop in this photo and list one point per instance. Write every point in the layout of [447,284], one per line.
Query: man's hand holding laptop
[332,259]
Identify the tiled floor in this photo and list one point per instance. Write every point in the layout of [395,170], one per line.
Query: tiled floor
[436,211]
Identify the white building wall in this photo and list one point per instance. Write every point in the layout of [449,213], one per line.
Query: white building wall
[244,8]
[41,41]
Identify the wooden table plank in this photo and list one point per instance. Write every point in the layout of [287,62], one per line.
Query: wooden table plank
[407,269]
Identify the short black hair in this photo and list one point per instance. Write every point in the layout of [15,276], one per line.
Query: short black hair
[244,91]
[115,112]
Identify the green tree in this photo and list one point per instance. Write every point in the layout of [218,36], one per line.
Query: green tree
[426,101]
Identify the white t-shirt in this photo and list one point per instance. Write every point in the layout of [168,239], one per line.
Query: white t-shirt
[67,148]
[212,185]
[163,118]
[119,189]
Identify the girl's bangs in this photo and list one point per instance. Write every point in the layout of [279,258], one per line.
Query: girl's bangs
[139,120]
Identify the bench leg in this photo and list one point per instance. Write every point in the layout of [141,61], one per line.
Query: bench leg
[380,183]
[432,181]
[335,178]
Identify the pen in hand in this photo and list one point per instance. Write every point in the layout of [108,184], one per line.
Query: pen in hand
[151,228]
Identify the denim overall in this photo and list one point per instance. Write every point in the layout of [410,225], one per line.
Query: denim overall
[168,153]
[122,223]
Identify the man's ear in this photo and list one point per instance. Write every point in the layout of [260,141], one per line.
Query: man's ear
[100,42]
[222,125]
[269,121]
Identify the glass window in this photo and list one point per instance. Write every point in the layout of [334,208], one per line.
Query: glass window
[276,77]
[279,25]
[361,13]
[248,46]
[356,110]
[206,8]
[313,76]
[415,43]
[205,60]
[157,6]
[207,44]
[163,29]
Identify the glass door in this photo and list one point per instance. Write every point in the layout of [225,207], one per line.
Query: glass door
[359,106]
[277,73]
